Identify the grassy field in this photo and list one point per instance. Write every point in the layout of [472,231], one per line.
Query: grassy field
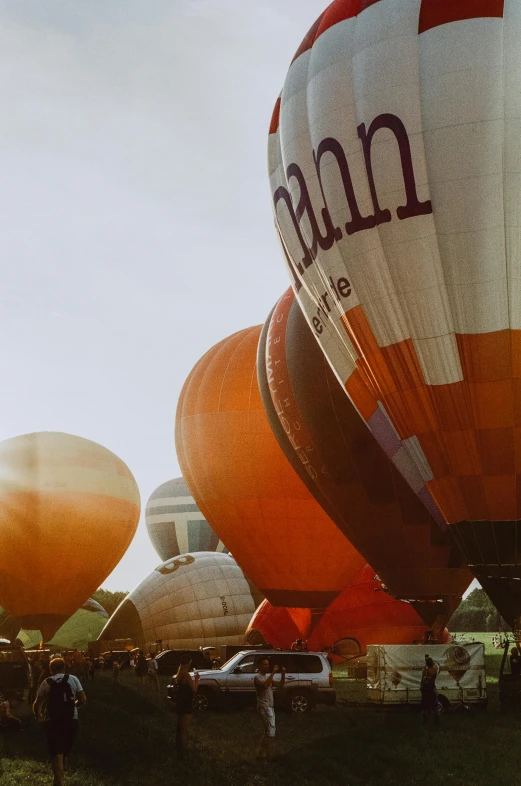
[127,739]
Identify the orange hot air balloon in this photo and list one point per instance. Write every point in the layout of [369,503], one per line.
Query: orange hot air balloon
[316,425]
[246,488]
[274,625]
[69,509]
[365,614]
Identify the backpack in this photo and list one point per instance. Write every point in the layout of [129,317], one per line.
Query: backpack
[61,702]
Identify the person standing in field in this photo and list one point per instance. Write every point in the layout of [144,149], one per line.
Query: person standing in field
[515,662]
[429,701]
[61,694]
[9,723]
[153,669]
[116,669]
[141,667]
[186,689]
[263,682]
[45,671]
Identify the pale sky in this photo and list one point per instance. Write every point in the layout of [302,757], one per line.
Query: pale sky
[135,211]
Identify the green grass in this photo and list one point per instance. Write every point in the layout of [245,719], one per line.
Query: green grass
[128,739]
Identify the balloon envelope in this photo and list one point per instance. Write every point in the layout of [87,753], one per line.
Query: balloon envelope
[69,509]
[275,625]
[191,601]
[247,489]
[365,614]
[372,503]
[76,633]
[176,525]
[394,155]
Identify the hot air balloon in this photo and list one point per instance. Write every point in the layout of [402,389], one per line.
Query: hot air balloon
[393,159]
[84,626]
[69,509]
[372,504]
[365,614]
[246,488]
[176,525]
[193,600]
[9,626]
[276,625]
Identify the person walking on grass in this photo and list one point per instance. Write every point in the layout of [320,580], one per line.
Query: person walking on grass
[429,700]
[61,695]
[116,669]
[186,689]
[9,723]
[263,682]
[153,669]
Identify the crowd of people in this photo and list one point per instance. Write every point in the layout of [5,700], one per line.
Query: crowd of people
[57,691]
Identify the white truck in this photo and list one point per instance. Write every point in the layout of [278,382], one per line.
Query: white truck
[394,673]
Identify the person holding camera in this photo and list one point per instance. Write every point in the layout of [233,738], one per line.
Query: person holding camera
[265,706]
[429,702]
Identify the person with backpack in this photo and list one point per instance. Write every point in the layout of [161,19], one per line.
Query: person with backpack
[60,694]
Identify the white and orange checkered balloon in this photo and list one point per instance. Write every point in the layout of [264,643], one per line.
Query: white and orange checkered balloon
[395,166]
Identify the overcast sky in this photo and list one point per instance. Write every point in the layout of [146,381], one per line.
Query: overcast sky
[135,211]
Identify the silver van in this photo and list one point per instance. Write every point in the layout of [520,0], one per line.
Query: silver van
[309,681]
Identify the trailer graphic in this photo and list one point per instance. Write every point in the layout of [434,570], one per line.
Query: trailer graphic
[394,673]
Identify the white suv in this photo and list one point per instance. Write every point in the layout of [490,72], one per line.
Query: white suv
[309,681]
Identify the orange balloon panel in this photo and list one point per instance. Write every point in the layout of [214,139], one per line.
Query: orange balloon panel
[365,614]
[368,498]
[69,509]
[246,488]
[274,625]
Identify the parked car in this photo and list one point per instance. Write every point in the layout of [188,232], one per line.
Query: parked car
[123,656]
[15,670]
[309,681]
[168,661]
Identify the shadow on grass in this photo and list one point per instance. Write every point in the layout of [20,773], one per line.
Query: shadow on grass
[127,737]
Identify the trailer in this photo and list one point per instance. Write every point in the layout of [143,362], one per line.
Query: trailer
[394,674]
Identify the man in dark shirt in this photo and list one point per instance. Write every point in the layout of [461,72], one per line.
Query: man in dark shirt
[515,662]
[429,701]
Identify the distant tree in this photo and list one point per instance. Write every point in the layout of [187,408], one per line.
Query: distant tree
[109,600]
[477,613]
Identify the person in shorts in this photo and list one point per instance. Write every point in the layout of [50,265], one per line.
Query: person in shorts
[263,682]
[60,694]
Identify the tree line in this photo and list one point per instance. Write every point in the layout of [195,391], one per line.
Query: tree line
[109,600]
[477,613]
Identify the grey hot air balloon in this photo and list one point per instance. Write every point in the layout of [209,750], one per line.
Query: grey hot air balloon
[193,600]
[176,525]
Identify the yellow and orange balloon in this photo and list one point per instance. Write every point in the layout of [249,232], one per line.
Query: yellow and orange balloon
[69,509]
